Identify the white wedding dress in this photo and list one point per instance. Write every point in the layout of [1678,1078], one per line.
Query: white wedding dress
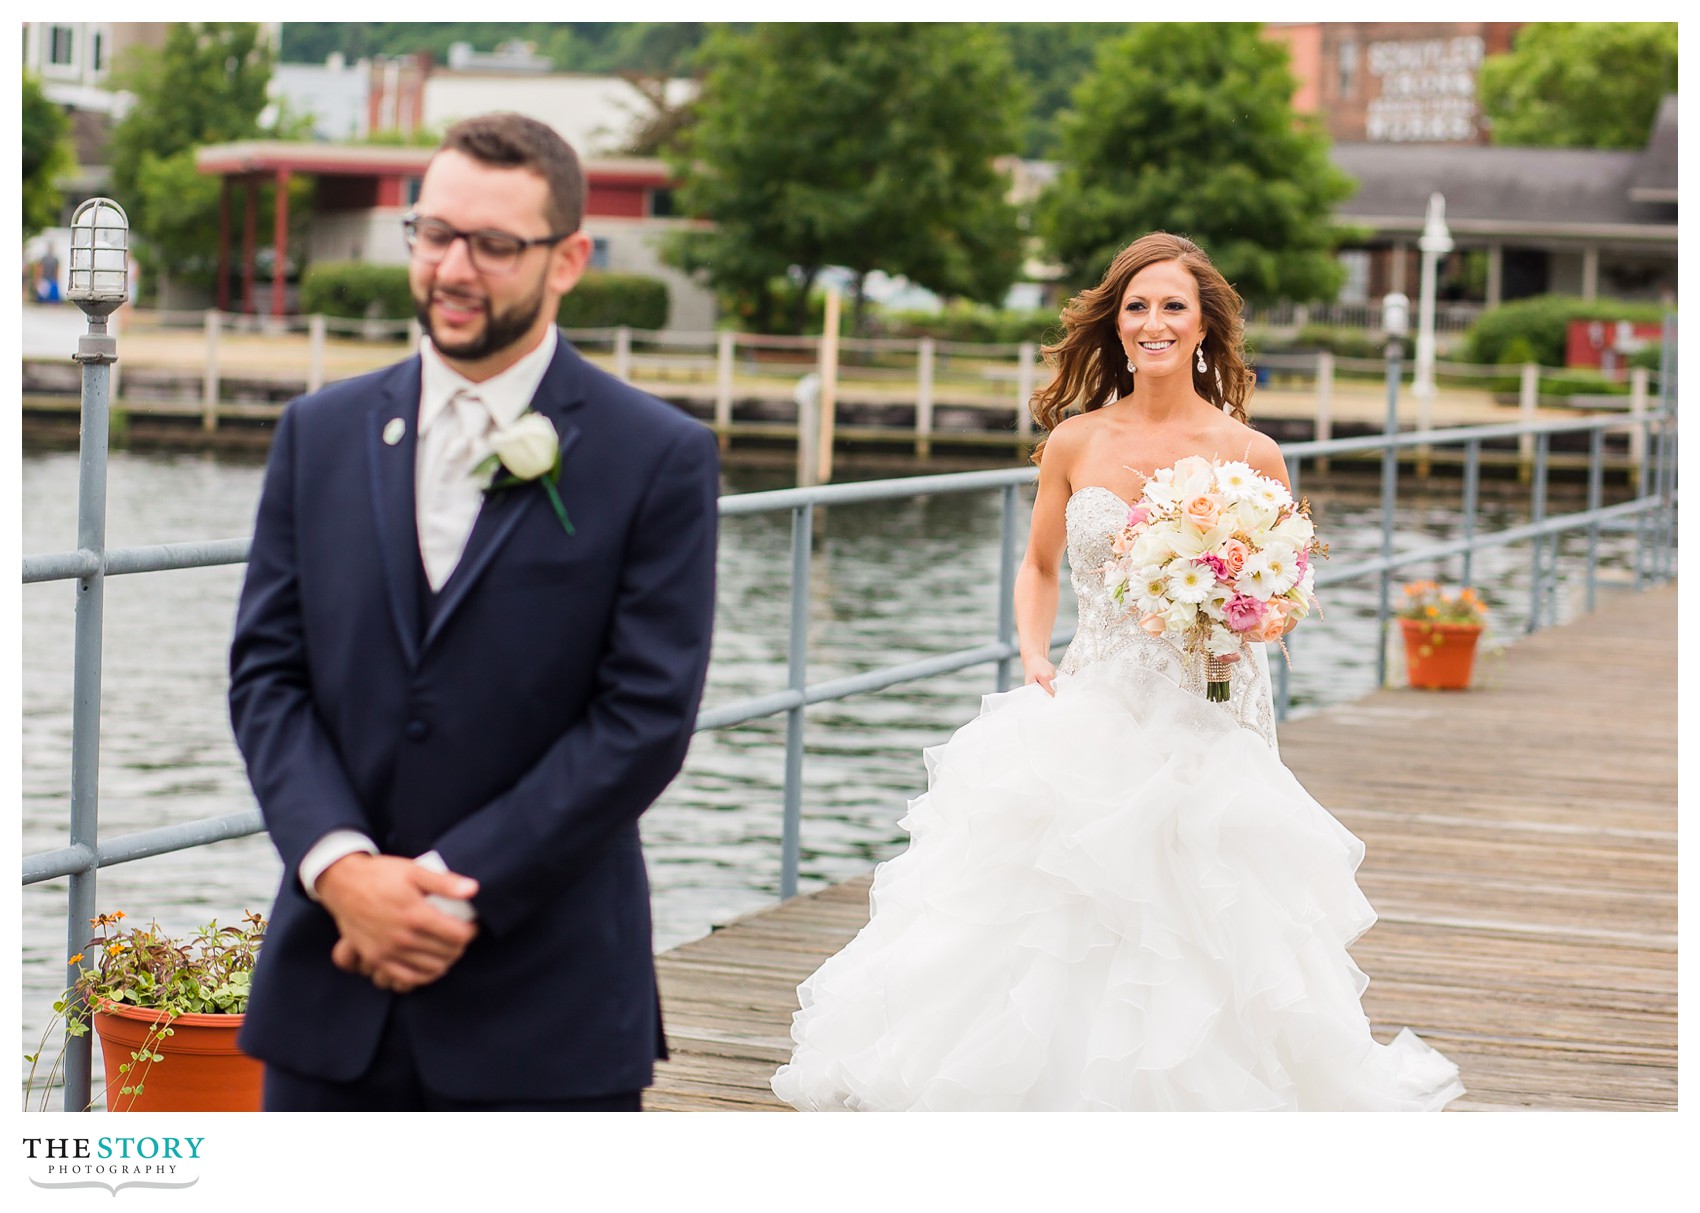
[1116,899]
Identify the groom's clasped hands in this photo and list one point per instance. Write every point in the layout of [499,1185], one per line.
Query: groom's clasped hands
[391,932]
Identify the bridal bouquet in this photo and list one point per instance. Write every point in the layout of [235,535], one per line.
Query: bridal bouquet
[1216,556]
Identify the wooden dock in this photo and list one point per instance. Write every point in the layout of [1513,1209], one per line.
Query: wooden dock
[1521,853]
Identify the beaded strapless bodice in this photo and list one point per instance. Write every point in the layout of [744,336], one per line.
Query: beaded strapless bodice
[1107,630]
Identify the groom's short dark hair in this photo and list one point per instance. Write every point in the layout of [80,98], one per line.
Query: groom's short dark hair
[507,140]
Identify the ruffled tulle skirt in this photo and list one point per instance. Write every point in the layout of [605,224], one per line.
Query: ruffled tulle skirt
[1116,899]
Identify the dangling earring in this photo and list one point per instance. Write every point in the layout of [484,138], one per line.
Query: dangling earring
[1130,366]
[1201,367]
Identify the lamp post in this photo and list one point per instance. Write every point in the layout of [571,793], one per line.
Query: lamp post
[99,283]
[1435,243]
[1396,322]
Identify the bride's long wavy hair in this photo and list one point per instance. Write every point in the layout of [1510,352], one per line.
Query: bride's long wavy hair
[1090,363]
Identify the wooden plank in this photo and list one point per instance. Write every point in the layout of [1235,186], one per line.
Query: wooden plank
[1520,853]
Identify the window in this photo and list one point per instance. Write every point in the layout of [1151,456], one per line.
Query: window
[59,45]
[97,52]
[599,253]
[1356,287]
[1348,68]
[660,203]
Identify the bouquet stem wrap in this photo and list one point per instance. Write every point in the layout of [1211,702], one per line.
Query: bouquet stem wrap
[1216,688]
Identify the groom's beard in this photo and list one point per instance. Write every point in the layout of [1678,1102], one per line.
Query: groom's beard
[501,329]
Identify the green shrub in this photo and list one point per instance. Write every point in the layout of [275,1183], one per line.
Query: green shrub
[604,300]
[356,290]
[974,323]
[1542,323]
[1581,381]
[1347,343]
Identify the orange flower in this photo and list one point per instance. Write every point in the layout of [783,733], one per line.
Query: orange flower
[77,959]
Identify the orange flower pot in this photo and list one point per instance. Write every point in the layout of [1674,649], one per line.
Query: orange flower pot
[1439,656]
[202,1069]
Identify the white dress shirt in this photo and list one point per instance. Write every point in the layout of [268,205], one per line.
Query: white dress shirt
[445,510]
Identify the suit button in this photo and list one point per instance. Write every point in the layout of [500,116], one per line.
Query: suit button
[418,730]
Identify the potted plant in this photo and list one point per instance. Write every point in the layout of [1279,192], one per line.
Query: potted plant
[1440,629]
[167,1011]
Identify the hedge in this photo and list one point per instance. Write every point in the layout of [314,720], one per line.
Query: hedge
[973,323]
[356,290]
[604,300]
[1536,329]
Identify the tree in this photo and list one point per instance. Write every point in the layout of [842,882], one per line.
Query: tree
[1051,58]
[207,84]
[48,156]
[1189,128]
[867,145]
[1576,84]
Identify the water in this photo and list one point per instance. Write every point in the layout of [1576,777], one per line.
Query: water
[891,581]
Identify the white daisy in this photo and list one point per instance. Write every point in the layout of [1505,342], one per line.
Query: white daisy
[1191,583]
[1235,480]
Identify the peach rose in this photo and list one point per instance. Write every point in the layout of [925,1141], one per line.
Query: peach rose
[1204,511]
[1152,623]
[1233,554]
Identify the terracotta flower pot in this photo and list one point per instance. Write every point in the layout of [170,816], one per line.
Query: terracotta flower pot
[202,1069]
[1439,656]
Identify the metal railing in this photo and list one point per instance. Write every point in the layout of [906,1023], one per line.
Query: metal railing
[1651,513]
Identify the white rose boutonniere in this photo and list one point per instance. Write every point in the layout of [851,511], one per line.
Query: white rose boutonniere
[530,450]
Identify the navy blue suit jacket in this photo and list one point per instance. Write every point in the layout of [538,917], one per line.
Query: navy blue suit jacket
[520,734]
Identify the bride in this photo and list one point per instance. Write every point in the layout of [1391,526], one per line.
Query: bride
[1115,897]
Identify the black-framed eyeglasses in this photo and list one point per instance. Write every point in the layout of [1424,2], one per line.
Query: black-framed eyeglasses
[492,252]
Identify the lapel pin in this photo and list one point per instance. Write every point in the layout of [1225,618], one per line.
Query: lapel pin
[394,430]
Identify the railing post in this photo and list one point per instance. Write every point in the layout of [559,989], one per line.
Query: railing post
[315,352]
[1006,582]
[1026,353]
[1472,491]
[1596,482]
[724,360]
[1324,403]
[924,398]
[790,847]
[1537,513]
[1528,397]
[1389,502]
[209,382]
[623,353]
[1667,444]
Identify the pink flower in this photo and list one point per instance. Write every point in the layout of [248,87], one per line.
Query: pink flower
[1243,612]
[1152,623]
[1215,563]
[1136,515]
[1233,554]
[1203,511]
[1303,561]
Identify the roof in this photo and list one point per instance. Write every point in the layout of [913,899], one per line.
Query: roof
[1502,190]
[1655,178]
[376,160]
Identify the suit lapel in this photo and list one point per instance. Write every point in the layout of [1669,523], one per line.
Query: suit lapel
[558,394]
[393,498]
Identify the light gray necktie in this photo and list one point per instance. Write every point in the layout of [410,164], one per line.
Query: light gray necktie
[446,483]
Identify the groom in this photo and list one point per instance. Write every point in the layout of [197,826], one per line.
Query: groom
[455,700]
